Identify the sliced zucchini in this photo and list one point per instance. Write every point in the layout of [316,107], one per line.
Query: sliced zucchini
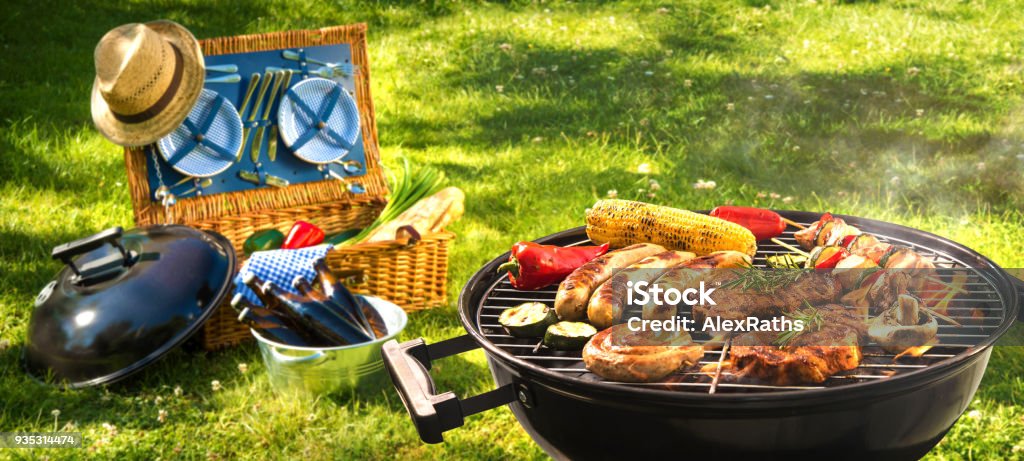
[787,261]
[528,320]
[813,258]
[568,336]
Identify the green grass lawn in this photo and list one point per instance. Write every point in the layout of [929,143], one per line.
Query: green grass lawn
[899,111]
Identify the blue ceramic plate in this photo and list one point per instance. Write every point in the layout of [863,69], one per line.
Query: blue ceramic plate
[207,141]
[318,120]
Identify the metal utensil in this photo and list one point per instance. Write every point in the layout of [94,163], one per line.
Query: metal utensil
[253,80]
[206,182]
[278,78]
[272,145]
[182,181]
[294,56]
[267,77]
[328,72]
[223,68]
[342,69]
[345,69]
[253,177]
[350,166]
[233,78]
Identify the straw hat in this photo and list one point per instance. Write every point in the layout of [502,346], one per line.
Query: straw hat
[148,77]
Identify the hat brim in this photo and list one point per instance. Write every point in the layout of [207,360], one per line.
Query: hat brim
[192,79]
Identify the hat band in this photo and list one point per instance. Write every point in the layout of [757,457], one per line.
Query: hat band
[164,100]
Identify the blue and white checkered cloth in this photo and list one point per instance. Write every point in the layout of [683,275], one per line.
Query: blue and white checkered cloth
[280,267]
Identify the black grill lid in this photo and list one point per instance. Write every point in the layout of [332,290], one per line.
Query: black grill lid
[123,300]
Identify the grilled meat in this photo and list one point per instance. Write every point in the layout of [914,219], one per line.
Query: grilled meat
[574,292]
[609,300]
[734,302]
[810,357]
[827,231]
[696,269]
[882,293]
[620,354]
[887,287]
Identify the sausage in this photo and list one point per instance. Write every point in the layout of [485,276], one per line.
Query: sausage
[620,354]
[609,300]
[575,290]
[681,276]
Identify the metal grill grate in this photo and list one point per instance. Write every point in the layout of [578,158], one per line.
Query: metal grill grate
[980,312]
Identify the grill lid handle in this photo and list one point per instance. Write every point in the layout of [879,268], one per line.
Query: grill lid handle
[409,365]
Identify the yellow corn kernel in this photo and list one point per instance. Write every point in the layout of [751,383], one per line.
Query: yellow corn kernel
[624,222]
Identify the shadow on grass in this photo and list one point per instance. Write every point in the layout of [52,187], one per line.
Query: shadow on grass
[756,126]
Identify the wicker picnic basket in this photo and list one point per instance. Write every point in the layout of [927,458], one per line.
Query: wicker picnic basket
[413,276]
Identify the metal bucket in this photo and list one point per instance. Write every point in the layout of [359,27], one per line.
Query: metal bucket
[321,370]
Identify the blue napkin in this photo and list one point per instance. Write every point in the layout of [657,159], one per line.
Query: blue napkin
[280,267]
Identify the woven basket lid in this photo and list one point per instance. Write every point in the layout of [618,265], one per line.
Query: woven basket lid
[319,120]
[207,141]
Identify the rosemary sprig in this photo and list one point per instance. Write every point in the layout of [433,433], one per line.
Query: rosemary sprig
[811,318]
[763,280]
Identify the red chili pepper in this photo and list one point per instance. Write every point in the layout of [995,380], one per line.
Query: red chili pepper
[302,235]
[833,260]
[532,266]
[764,224]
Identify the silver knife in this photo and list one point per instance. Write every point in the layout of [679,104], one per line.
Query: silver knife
[258,143]
[253,80]
[272,145]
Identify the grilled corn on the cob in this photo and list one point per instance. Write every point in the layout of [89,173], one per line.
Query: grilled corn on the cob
[625,222]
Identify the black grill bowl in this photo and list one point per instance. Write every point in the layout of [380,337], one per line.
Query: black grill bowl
[900,417]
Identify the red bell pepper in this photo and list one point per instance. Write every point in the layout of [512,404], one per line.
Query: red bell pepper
[532,266]
[764,224]
[830,263]
[302,235]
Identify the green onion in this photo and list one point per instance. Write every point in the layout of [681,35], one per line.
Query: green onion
[409,189]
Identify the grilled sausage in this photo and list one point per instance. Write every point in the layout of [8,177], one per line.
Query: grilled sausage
[681,276]
[620,354]
[609,300]
[575,290]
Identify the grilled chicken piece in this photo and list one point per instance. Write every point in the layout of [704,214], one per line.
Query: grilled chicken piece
[887,288]
[827,231]
[869,247]
[733,302]
[810,357]
[911,262]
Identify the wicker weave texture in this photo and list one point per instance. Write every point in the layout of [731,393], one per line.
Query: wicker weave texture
[201,209]
[414,277]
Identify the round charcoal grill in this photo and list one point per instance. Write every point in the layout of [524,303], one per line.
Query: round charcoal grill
[887,408]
